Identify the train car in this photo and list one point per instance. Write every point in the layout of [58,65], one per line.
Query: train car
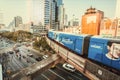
[75,42]
[51,34]
[105,51]
[54,35]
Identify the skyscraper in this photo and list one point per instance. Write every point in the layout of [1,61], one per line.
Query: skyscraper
[117,14]
[52,13]
[1,17]
[42,12]
[18,20]
[59,2]
[60,14]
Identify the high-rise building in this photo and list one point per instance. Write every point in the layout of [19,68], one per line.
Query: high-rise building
[66,20]
[18,20]
[1,17]
[108,27]
[118,29]
[43,11]
[91,21]
[117,14]
[52,14]
[61,16]
[59,2]
[74,21]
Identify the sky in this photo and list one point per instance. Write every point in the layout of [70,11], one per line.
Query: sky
[78,7]
[12,8]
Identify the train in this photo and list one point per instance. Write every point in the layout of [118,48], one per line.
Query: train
[99,49]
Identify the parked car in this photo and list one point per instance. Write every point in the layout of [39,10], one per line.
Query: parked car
[11,52]
[16,50]
[30,55]
[68,67]
[45,56]
[38,58]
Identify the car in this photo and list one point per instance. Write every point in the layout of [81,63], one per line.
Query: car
[11,52]
[38,58]
[68,67]
[45,56]
[16,50]
[30,55]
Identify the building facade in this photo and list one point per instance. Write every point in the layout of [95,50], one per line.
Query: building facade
[74,22]
[108,27]
[1,17]
[60,15]
[43,11]
[91,21]
[18,21]
[118,28]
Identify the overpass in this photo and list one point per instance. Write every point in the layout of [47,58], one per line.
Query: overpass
[85,66]
[30,72]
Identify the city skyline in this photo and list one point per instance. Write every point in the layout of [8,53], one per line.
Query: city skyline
[13,8]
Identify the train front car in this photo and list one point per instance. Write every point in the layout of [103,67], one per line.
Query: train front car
[105,51]
[75,42]
[54,35]
[51,34]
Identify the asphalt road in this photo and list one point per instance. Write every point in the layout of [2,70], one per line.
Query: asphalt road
[59,73]
[17,61]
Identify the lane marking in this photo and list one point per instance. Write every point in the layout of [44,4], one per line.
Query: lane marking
[56,74]
[45,76]
[68,73]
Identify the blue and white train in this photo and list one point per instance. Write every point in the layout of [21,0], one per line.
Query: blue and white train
[103,50]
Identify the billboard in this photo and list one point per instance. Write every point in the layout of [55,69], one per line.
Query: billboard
[67,40]
[105,51]
[73,42]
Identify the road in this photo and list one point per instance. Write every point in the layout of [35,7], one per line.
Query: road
[59,73]
[16,61]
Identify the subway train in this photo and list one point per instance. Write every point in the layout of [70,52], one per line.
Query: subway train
[99,49]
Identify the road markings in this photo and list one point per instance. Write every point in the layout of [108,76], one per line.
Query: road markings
[45,76]
[56,74]
[69,73]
